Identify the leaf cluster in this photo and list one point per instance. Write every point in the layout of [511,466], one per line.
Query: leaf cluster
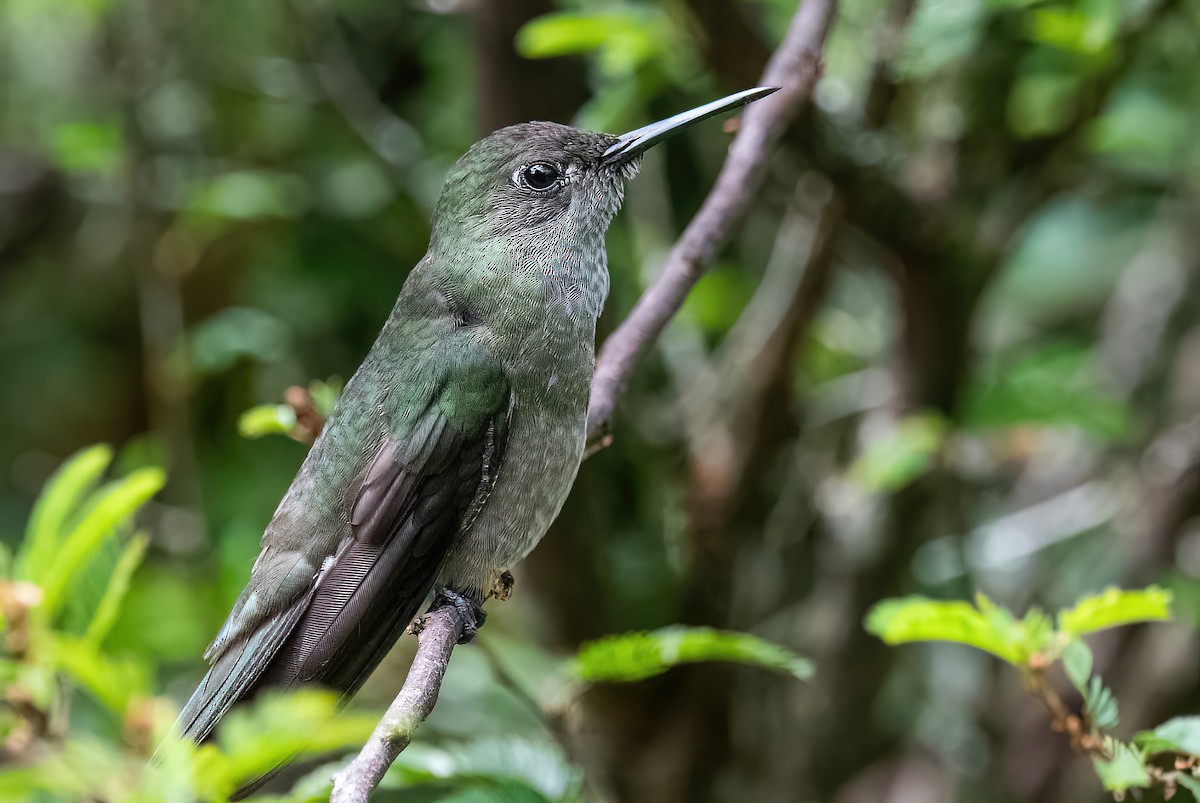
[1167,757]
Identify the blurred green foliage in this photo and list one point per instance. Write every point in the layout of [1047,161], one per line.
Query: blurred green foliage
[636,656]
[1167,757]
[44,666]
[206,205]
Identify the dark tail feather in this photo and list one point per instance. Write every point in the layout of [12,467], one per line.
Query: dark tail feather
[234,675]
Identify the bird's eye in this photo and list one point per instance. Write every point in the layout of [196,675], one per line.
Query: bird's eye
[540,176]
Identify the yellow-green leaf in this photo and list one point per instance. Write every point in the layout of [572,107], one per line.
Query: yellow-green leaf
[1125,770]
[266,419]
[635,656]
[1178,735]
[61,497]
[114,593]
[1115,607]
[280,726]
[983,626]
[893,462]
[110,508]
[111,681]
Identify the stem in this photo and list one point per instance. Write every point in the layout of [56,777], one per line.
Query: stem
[436,641]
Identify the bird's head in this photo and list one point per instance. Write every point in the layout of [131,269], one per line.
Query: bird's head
[553,180]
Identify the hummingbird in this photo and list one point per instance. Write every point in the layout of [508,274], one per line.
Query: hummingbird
[455,443]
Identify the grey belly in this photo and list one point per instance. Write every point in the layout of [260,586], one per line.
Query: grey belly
[539,466]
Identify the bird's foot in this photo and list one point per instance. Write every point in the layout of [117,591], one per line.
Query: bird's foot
[473,615]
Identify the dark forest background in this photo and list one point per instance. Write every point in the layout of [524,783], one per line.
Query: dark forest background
[955,347]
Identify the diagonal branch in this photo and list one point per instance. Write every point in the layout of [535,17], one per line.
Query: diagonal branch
[794,68]
[436,640]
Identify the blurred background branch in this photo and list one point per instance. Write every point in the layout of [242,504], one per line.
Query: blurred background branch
[794,68]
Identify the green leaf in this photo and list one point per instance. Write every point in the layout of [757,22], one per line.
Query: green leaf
[1178,735]
[110,508]
[540,766]
[1115,607]
[266,419]
[941,36]
[622,39]
[1077,663]
[249,194]
[325,394]
[1087,31]
[87,147]
[1143,128]
[568,33]
[1189,783]
[635,656]
[114,592]
[1056,386]
[280,726]
[1042,102]
[1123,771]
[1100,705]
[717,299]
[983,626]
[115,683]
[494,790]
[38,683]
[19,784]
[234,334]
[60,498]
[892,462]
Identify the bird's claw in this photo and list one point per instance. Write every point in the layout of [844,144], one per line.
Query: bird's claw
[473,615]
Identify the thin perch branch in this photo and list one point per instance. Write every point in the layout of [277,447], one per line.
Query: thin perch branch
[436,641]
[794,68]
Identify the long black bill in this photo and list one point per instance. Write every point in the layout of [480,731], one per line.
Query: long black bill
[630,146]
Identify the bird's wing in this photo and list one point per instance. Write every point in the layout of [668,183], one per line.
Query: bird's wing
[423,485]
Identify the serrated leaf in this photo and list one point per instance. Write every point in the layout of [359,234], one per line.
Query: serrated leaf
[1115,607]
[1178,735]
[62,495]
[109,508]
[1100,705]
[1125,770]
[1077,663]
[986,627]
[636,656]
